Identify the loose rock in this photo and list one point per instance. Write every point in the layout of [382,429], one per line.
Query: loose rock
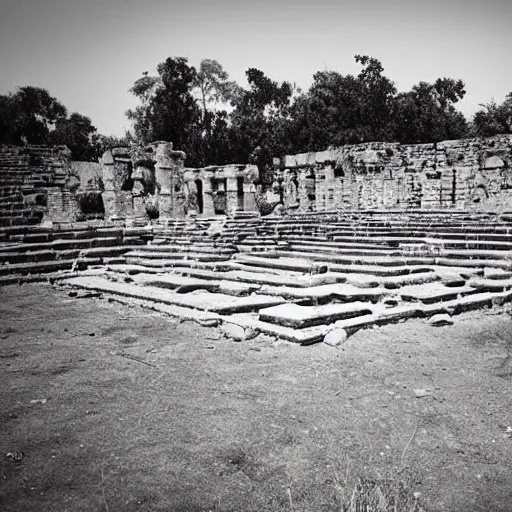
[336,337]
[238,332]
[420,393]
[440,320]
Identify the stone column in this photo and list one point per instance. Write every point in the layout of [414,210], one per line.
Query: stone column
[251,174]
[231,194]
[250,197]
[302,194]
[208,207]
[109,192]
[169,170]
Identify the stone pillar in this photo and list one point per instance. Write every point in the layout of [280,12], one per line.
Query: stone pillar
[231,195]
[302,194]
[109,191]
[250,197]
[208,207]
[169,170]
[250,174]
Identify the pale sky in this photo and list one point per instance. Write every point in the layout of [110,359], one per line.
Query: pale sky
[88,53]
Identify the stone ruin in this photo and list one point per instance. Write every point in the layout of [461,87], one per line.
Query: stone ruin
[459,174]
[41,184]
[156,184]
[372,234]
[36,182]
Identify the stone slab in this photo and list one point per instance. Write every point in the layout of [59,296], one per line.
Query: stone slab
[215,302]
[433,292]
[326,292]
[383,261]
[490,285]
[171,256]
[298,317]
[306,336]
[503,264]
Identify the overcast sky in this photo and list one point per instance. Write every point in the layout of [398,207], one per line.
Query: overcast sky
[88,53]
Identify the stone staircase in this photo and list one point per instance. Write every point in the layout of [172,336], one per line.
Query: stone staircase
[300,277]
[35,253]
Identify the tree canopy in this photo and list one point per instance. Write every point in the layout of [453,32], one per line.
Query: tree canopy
[31,115]
[494,119]
[217,121]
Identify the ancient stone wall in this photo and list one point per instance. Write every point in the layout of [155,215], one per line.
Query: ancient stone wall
[36,181]
[469,173]
[221,189]
[89,173]
[153,182]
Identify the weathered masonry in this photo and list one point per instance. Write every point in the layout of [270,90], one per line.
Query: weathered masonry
[36,182]
[156,183]
[469,173]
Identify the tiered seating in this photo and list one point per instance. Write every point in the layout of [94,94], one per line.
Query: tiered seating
[182,243]
[31,253]
[299,277]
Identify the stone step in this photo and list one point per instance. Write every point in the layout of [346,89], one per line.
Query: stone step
[332,248]
[327,292]
[496,273]
[29,256]
[392,282]
[281,279]
[472,232]
[166,265]
[205,301]
[490,285]
[187,248]
[444,243]
[298,317]
[184,284]
[272,261]
[306,336]
[376,270]
[100,252]
[337,248]
[477,263]
[59,245]
[45,266]
[431,293]
[383,261]
[172,256]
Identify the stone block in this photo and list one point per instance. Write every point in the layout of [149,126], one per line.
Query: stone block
[335,337]
[238,332]
[440,320]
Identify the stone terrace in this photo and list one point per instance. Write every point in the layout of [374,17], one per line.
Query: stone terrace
[302,276]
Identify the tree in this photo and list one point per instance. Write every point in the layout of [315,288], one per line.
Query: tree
[258,119]
[213,89]
[76,133]
[29,115]
[493,119]
[213,86]
[427,113]
[343,109]
[168,111]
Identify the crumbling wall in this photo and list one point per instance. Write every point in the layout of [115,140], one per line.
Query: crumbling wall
[36,182]
[468,173]
[221,189]
[117,183]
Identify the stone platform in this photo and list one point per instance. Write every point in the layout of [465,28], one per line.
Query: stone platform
[298,278]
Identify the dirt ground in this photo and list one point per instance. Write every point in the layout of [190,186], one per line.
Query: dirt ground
[112,408]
